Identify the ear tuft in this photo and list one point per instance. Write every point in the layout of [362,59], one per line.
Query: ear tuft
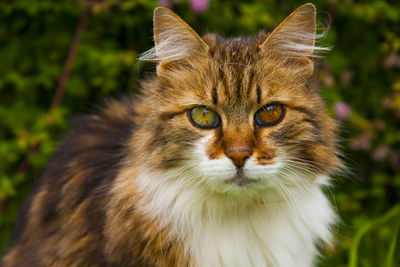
[174,38]
[295,36]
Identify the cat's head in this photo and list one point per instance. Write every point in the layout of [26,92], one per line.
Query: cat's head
[237,114]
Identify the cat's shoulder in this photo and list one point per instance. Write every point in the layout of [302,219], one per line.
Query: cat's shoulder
[97,140]
[73,189]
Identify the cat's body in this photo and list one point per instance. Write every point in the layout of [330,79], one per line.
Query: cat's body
[150,182]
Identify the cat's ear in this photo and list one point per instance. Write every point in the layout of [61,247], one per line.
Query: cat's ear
[174,39]
[295,38]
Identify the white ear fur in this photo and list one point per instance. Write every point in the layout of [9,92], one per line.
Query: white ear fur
[174,39]
[296,36]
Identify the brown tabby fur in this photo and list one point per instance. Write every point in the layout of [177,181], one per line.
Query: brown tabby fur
[84,212]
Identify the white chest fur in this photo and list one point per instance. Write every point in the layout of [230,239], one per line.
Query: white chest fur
[276,235]
[219,231]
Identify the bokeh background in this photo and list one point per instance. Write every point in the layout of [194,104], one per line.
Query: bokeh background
[86,50]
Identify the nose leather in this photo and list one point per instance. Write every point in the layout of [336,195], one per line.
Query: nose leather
[239,155]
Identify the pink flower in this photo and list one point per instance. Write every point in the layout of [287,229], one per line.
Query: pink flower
[361,142]
[380,153]
[342,110]
[165,3]
[199,6]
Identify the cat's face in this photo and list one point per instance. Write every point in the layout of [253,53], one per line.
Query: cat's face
[239,114]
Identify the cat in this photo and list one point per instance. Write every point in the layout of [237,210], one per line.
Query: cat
[221,160]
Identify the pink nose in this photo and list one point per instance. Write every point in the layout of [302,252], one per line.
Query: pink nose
[238,155]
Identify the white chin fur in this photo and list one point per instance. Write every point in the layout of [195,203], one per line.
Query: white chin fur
[262,225]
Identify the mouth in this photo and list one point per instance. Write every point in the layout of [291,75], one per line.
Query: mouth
[240,179]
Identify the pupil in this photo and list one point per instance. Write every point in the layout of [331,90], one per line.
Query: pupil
[203,117]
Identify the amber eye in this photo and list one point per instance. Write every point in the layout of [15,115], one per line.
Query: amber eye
[270,115]
[203,117]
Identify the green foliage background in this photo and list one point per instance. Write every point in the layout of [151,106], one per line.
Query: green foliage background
[360,81]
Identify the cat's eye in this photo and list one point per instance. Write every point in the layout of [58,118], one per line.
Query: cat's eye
[203,117]
[270,115]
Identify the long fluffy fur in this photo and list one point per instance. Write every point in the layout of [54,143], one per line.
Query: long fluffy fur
[139,184]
